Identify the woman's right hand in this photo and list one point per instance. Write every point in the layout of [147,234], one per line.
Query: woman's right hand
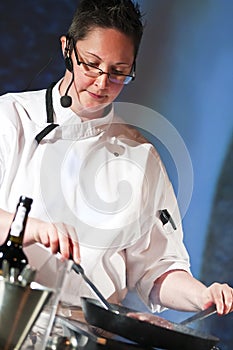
[59,237]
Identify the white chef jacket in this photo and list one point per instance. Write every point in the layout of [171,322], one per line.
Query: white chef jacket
[103,178]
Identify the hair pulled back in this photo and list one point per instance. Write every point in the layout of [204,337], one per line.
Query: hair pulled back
[122,15]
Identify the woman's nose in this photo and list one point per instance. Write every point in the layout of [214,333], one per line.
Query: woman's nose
[102,81]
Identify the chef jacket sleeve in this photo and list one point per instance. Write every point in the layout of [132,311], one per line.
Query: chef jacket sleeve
[160,247]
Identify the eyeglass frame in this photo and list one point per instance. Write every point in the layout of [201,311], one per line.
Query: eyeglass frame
[131,77]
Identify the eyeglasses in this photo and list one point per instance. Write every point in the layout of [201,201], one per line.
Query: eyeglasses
[94,72]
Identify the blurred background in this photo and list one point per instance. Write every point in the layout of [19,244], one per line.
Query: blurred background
[185,73]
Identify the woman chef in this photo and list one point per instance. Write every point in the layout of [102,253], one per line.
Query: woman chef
[99,189]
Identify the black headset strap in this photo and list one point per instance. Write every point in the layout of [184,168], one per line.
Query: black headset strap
[49,112]
[49,103]
[45,132]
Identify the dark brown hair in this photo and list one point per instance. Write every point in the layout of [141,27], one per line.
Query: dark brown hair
[123,15]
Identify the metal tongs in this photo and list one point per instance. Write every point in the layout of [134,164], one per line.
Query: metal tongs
[78,269]
[200,315]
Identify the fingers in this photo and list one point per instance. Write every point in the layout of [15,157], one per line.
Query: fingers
[74,246]
[63,240]
[228,298]
[68,242]
[59,237]
[52,237]
[222,296]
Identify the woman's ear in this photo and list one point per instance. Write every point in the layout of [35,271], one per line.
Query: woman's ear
[63,41]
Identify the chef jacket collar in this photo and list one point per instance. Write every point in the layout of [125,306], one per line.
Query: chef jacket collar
[69,125]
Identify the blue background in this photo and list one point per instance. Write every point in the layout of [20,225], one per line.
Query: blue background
[184,72]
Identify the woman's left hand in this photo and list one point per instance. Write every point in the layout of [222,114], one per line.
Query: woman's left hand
[221,295]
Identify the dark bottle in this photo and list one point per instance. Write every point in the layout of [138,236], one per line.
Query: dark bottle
[12,249]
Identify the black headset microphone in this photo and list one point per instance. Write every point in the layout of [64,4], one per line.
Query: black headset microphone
[66,100]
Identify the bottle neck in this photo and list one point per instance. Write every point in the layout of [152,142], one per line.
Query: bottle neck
[17,229]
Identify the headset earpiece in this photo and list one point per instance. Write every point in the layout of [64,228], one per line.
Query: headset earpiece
[69,64]
[68,60]
[66,100]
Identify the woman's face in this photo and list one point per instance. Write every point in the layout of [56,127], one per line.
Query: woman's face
[107,49]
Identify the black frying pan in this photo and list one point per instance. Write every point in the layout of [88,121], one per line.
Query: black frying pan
[169,336]
[86,340]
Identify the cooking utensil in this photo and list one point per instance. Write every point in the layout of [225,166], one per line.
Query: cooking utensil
[79,269]
[200,315]
[169,336]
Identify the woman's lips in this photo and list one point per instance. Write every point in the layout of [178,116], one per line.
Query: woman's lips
[95,96]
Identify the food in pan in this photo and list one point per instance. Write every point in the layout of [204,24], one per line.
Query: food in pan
[152,319]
